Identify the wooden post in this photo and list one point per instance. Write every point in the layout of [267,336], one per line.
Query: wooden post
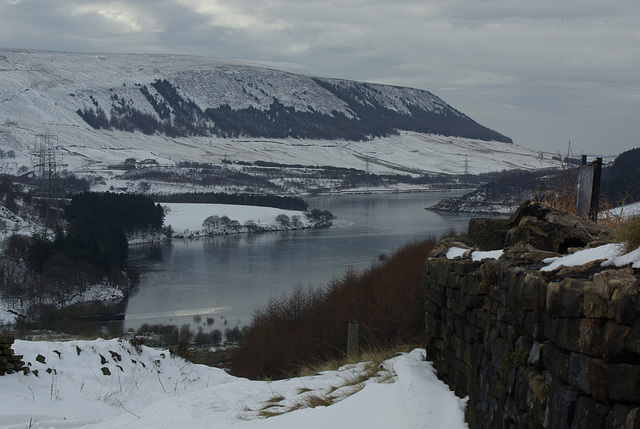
[352,339]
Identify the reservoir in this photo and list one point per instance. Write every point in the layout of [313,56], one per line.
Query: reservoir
[224,279]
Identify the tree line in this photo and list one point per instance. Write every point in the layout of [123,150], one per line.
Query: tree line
[260,200]
[310,325]
[44,268]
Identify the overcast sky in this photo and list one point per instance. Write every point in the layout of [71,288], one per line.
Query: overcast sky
[543,72]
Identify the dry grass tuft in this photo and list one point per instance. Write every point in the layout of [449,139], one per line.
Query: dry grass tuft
[266,413]
[372,357]
[370,369]
[313,401]
[628,233]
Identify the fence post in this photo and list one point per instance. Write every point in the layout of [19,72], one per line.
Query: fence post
[352,339]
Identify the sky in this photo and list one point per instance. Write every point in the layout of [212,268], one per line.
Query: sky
[553,75]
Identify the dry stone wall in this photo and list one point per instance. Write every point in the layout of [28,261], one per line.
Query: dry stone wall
[536,351]
[9,362]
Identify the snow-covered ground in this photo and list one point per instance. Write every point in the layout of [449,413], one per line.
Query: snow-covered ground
[150,388]
[611,255]
[10,224]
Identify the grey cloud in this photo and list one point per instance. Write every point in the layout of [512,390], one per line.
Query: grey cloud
[539,72]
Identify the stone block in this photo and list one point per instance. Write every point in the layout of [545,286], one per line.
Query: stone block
[461,383]
[633,339]
[458,325]
[446,333]
[589,376]
[453,293]
[529,293]
[538,396]
[550,328]
[439,297]
[626,310]
[553,304]
[472,301]
[433,284]
[478,317]
[431,307]
[491,271]
[488,234]
[569,334]
[617,417]
[462,268]
[619,281]
[595,305]
[589,414]
[562,402]
[555,360]
[484,287]
[590,334]
[614,341]
[572,299]
[473,334]
[453,281]
[470,283]
[633,419]
[457,307]
[624,382]
[578,372]
[439,269]
[528,323]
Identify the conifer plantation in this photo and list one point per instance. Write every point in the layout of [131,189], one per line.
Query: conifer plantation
[309,326]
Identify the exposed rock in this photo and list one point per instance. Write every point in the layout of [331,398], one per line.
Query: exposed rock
[539,227]
[521,253]
[442,247]
[488,234]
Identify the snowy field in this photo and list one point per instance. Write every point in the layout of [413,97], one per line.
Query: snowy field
[189,217]
[150,388]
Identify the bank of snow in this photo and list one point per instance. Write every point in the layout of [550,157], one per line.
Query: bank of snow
[150,388]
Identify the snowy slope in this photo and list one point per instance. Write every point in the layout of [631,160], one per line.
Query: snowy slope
[40,92]
[150,388]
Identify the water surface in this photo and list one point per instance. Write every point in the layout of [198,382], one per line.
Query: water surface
[227,278]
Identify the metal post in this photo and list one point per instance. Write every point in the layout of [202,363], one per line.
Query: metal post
[595,190]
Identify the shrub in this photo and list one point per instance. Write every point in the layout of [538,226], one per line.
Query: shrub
[311,325]
[628,233]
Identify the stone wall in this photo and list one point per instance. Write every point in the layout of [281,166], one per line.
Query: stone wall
[9,362]
[533,349]
[536,351]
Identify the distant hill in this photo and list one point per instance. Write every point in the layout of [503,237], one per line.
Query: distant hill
[191,96]
[621,180]
[369,111]
[104,109]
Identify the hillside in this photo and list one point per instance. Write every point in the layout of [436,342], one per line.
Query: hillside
[102,109]
[114,384]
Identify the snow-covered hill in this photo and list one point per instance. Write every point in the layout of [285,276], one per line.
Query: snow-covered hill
[42,92]
[112,384]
